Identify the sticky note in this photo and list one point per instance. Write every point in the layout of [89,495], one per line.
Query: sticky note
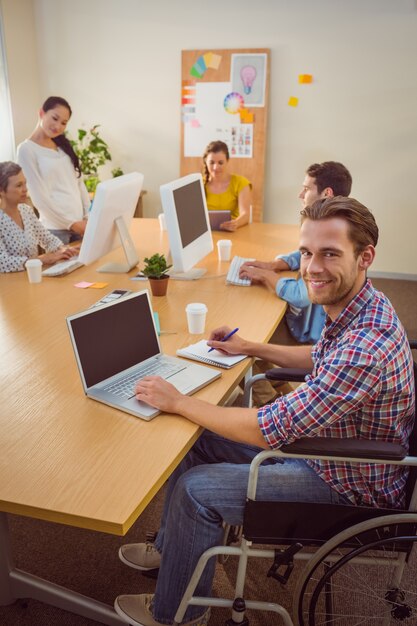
[214,61]
[194,72]
[98,285]
[246,117]
[305,78]
[157,324]
[208,58]
[293,101]
[83,285]
[195,123]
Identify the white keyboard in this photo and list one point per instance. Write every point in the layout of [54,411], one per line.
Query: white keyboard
[233,273]
[64,267]
[125,388]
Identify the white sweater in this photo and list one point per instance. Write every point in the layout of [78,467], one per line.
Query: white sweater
[54,186]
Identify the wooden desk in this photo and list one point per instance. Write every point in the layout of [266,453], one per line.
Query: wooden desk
[68,459]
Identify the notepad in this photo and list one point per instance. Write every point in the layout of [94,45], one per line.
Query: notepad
[200,352]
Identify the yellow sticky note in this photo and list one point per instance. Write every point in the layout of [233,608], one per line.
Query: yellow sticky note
[208,57]
[293,101]
[214,61]
[98,285]
[305,78]
[246,117]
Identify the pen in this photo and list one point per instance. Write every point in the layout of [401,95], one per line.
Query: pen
[227,337]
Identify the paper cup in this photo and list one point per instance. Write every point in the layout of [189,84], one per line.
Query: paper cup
[196,317]
[162,222]
[34,270]
[224,249]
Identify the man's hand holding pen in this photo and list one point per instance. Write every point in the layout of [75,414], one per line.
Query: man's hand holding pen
[226,340]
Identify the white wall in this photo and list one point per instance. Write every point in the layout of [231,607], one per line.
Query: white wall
[22,61]
[118,63]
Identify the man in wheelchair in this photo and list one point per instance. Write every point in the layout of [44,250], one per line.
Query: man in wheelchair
[361,386]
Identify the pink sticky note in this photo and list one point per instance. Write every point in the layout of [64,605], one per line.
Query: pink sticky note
[195,123]
[83,285]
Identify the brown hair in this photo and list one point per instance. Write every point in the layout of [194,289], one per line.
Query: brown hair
[214,146]
[8,169]
[363,230]
[331,174]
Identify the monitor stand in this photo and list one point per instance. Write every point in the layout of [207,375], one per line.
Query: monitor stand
[129,250]
[193,274]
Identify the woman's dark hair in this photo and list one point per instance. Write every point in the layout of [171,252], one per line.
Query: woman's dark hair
[61,141]
[8,169]
[214,146]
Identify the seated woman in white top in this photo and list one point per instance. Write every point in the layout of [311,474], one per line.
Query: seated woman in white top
[53,173]
[20,230]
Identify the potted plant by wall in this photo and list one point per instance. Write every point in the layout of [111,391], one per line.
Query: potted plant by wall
[156,269]
[93,152]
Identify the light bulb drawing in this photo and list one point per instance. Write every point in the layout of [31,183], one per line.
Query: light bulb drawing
[248,75]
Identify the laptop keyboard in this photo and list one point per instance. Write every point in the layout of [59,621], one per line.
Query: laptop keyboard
[233,273]
[125,388]
[63,267]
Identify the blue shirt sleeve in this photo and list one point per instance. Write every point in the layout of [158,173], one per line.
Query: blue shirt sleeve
[293,259]
[293,291]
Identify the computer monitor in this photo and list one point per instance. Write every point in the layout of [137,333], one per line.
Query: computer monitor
[188,226]
[108,224]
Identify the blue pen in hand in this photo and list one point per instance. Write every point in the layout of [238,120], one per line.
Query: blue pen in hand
[227,337]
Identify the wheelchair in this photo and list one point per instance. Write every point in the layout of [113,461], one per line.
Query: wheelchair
[359,566]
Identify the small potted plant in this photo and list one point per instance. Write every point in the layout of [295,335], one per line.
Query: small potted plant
[156,269]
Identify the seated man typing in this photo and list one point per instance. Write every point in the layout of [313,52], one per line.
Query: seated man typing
[361,386]
[304,319]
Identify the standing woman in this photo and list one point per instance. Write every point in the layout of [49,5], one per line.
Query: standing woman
[224,191]
[53,173]
[20,230]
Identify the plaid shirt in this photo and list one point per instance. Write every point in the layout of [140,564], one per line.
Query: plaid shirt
[361,386]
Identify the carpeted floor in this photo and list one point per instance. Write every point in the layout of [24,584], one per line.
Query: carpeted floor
[87,562]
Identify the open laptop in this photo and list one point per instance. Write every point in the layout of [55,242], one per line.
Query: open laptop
[116,344]
[217,218]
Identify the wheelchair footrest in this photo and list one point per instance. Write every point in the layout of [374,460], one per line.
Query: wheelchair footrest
[284,558]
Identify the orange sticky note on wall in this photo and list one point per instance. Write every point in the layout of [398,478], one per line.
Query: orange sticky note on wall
[305,78]
[246,117]
[293,101]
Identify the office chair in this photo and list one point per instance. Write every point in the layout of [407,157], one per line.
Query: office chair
[358,560]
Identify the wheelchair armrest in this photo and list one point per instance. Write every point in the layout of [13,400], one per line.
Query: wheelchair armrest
[348,447]
[288,374]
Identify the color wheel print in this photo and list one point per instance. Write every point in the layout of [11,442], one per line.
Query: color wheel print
[233,102]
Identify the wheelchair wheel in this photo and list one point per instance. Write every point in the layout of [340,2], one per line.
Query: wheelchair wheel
[364,575]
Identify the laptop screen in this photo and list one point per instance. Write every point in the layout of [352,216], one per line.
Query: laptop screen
[112,338]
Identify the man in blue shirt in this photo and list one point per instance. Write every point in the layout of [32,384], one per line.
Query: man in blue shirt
[304,319]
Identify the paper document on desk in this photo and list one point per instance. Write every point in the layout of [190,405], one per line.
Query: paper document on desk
[200,352]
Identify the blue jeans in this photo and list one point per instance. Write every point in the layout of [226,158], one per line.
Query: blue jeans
[66,236]
[209,486]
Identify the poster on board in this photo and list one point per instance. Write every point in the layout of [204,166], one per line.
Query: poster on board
[248,77]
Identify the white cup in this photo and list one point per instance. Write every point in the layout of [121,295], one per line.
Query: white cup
[34,270]
[196,317]
[224,249]
[162,222]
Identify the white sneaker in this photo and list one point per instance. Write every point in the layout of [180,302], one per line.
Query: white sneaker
[136,610]
[142,556]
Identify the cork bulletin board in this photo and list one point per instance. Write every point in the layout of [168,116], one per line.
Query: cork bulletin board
[224,96]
